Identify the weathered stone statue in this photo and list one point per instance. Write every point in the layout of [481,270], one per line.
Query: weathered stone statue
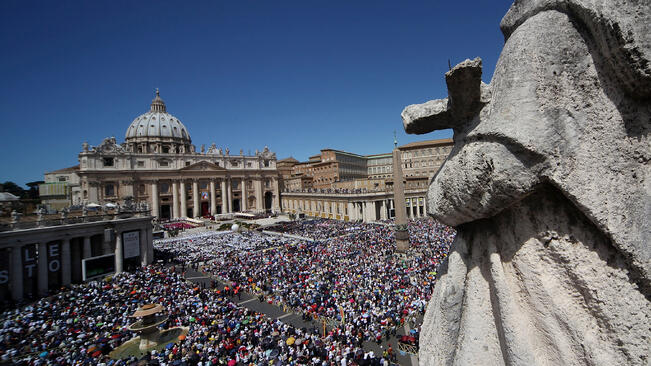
[548,185]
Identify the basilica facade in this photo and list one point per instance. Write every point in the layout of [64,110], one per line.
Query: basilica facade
[159,165]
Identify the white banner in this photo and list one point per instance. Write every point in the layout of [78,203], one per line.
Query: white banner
[131,244]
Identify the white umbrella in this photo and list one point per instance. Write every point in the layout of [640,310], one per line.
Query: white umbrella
[93,205]
[111,205]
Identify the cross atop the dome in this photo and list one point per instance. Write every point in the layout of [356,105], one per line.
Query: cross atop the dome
[157,105]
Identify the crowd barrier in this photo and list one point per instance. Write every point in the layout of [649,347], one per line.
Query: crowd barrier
[408,348]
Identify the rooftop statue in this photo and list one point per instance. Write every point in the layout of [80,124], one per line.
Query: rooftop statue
[548,186]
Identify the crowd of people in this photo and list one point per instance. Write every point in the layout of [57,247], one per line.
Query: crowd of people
[317,229]
[349,275]
[83,325]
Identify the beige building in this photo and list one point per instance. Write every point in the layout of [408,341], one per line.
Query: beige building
[380,166]
[159,165]
[61,188]
[424,158]
[331,166]
[357,205]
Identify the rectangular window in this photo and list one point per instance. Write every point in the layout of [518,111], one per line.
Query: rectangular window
[108,161]
[109,190]
[163,163]
[187,163]
[141,163]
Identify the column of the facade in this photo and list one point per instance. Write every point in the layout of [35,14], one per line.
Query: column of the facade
[243,190]
[383,210]
[118,252]
[259,200]
[213,198]
[42,268]
[16,273]
[184,199]
[175,200]
[411,208]
[350,211]
[154,200]
[364,212]
[276,194]
[425,205]
[86,250]
[224,202]
[66,273]
[195,198]
[229,194]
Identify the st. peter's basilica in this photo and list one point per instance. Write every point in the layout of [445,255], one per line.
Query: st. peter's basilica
[159,165]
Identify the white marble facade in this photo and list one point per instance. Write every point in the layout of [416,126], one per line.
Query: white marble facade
[158,164]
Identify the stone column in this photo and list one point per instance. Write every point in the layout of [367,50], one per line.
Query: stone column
[65,263]
[425,205]
[411,208]
[224,202]
[87,250]
[243,190]
[195,197]
[154,200]
[383,210]
[364,212]
[350,211]
[144,254]
[42,268]
[229,194]
[259,199]
[276,193]
[16,273]
[184,200]
[118,253]
[213,199]
[175,200]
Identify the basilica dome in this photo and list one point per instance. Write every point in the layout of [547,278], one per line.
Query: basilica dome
[157,125]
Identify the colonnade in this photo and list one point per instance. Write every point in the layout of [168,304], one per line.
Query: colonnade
[34,261]
[346,208]
[252,195]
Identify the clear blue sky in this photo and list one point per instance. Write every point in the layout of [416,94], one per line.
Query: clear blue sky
[296,76]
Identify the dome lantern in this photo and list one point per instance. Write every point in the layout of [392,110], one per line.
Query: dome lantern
[158,126]
[158,105]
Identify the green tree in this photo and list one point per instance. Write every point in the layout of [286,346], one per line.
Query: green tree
[13,188]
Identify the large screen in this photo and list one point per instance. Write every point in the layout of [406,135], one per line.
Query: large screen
[98,266]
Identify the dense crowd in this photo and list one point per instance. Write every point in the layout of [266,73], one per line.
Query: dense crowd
[82,325]
[318,229]
[350,275]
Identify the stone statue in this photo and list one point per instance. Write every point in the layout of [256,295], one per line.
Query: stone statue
[203,148]
[548,187]
[84,147]
[14,217]
[241,151]
[227,151]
